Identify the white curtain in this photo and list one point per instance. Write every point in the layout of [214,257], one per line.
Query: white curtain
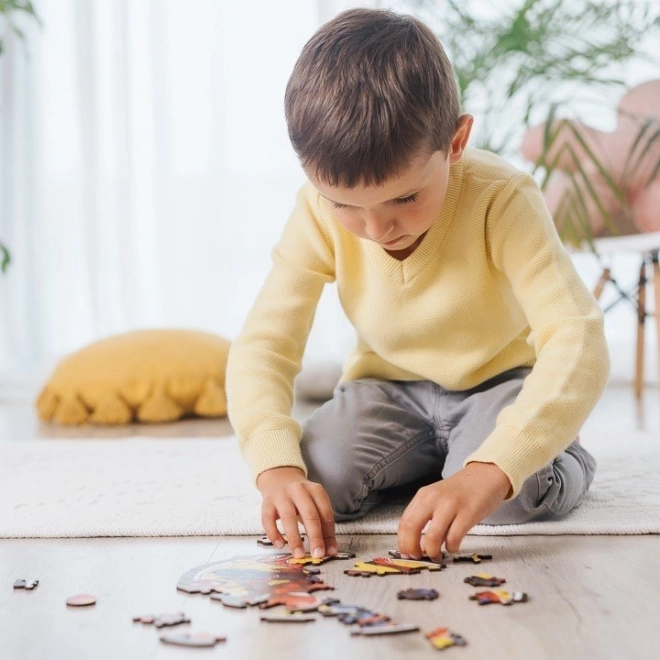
[146,170]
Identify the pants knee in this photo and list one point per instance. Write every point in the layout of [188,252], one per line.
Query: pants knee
[552,493]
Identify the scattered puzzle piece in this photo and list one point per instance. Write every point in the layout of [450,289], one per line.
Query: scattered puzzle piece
[395,554]
[81,600]
[26,584]
[315,561]
[474,558]
[169,619]
[288,617]
[387,629]
[418,594]
[266,542]
[384,566]
[484,580]
[192,639]
[442,639]
[499,596]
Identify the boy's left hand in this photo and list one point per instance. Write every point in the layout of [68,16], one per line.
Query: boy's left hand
[453,505]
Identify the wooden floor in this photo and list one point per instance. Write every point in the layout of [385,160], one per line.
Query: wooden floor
[590,597]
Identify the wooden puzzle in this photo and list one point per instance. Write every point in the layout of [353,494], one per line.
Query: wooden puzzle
[442,638]
[474,558]
[262,580]
[499,596]
[81,600]
[484,580]
[417,594]
[163,620]
[385,566]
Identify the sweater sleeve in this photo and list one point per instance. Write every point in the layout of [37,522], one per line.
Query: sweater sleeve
[266,357]
[572,360]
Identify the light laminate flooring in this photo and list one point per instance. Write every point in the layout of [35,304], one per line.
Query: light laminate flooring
[590,597]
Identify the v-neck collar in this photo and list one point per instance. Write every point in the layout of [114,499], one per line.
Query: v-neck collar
[405,270]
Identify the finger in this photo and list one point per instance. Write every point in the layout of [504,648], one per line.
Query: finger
[269,522]
[311,518]
[436,534]
[455,534]
[327,519]
[412,522]
[288,515]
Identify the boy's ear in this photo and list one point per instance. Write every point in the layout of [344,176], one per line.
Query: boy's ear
[461,137]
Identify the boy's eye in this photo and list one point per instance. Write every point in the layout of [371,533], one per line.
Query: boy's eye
[407,200]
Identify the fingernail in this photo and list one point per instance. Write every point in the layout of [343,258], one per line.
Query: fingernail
[332,550]
[298,553]
[318,553]
[279,544]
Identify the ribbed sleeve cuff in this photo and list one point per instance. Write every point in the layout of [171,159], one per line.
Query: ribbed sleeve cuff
[272,449]
[516,454]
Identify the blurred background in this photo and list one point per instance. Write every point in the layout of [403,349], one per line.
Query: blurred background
[145,168]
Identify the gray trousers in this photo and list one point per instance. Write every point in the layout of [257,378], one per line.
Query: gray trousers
[377,435]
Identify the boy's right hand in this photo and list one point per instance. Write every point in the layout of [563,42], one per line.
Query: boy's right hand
[289,496]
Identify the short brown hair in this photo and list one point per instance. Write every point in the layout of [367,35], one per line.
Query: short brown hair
[370,90]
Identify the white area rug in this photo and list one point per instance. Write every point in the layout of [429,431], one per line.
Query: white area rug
[192,487]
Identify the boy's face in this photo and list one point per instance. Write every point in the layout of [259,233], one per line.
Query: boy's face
[398,213]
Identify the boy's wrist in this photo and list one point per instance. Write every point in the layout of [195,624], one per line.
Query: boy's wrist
[279,474]
[493,474]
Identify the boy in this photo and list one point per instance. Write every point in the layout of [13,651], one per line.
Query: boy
[480,352]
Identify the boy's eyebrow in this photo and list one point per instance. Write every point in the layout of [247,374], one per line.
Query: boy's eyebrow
[408,194]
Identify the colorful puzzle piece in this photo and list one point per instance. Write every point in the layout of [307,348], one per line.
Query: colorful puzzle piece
[499,596]
[474,558]
[395,554]
[384,566]
[484,580]
[442,639]
[316,561]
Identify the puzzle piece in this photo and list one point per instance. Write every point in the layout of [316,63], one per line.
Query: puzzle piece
[81,600]
[263,580]
[499,596]
[383,566]
[395,554]
[315,561]
[474,558]
[192,639]
[266,542]
[484,580]
[387,629]
[288,617]
[442,639]
[170,619]
[26,584]
[418,594]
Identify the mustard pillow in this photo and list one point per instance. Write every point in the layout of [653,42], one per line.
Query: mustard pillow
[146,376]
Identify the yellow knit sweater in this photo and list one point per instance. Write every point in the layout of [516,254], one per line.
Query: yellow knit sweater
[489,288]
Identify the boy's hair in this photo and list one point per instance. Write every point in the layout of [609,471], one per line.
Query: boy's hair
[371,90]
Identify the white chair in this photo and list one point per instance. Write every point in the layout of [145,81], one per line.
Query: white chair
[647,246]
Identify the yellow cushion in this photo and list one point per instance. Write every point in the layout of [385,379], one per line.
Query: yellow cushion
[146,376]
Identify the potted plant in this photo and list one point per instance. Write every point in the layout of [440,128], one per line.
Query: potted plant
[536,62]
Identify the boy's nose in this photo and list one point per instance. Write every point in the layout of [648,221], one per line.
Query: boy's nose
[377,229]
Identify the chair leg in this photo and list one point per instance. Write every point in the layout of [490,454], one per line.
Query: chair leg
[600,285]
[641,321]
[656,292]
